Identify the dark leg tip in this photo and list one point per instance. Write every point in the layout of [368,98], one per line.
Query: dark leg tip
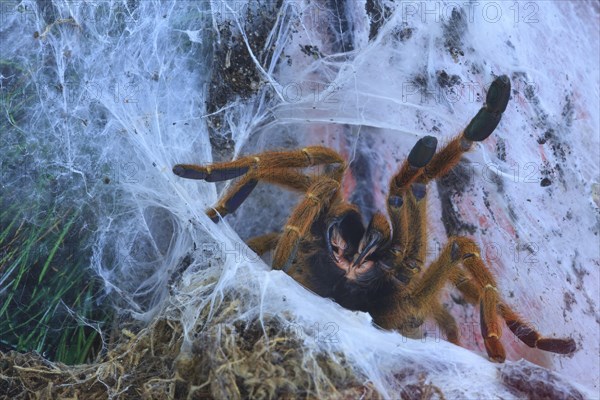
[422,152]
[419,190]
[498,95]
[482,126]
[524,332]
[395,201]
[225,174]
[240,196]
[207,174]
[185,172]
[560,346]
[178,170]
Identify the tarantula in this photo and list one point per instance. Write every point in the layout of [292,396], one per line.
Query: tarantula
[325,246]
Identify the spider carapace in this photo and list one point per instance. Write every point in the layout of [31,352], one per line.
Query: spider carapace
[379,268]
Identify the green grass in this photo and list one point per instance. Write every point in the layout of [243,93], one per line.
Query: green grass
[47,290]
[44,281]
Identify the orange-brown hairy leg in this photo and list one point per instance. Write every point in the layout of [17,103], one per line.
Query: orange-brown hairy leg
[272,167]
[446,159]
[306,157]
[409,243]
[319,196]
[488,302]
[263,243]
[422,295]
[470,291]
[528,335]
[480,127]
[233,198]
[446,322]
[427,288]
[407,210]
[464,250]
[416,251]
[482,287]
[419,156]
[490,327]
[473,263]
[240,191]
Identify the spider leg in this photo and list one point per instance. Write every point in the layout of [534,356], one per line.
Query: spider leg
[446,322]
[318,197]
[272,167]
[240,191]
[426,289]
[263,243]
[528,335]
[465,251]
[481,288]
[415,250]
[521,328]
[233,198]
[407,206]
[306,157]
[419,299]
[480,127]
[487,296]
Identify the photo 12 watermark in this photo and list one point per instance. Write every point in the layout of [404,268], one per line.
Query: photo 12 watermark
[414,91]
[326,332]
[488,11]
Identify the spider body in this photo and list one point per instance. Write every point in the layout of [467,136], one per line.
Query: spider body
[379,268]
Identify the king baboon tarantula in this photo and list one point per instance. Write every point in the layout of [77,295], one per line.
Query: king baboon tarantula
[377,269]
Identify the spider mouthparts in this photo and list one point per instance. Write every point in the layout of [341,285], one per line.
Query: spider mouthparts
[330,233]
[370,247]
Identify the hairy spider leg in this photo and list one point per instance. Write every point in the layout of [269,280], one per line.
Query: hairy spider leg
[424,291]
[446,322]
[306,157]
[407,210]
[277,168]
[528,335]
[319,196]
[479,286]
[478,129]
[521,328]
[273,167]
[239,192]
[263,243]
[407,203]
